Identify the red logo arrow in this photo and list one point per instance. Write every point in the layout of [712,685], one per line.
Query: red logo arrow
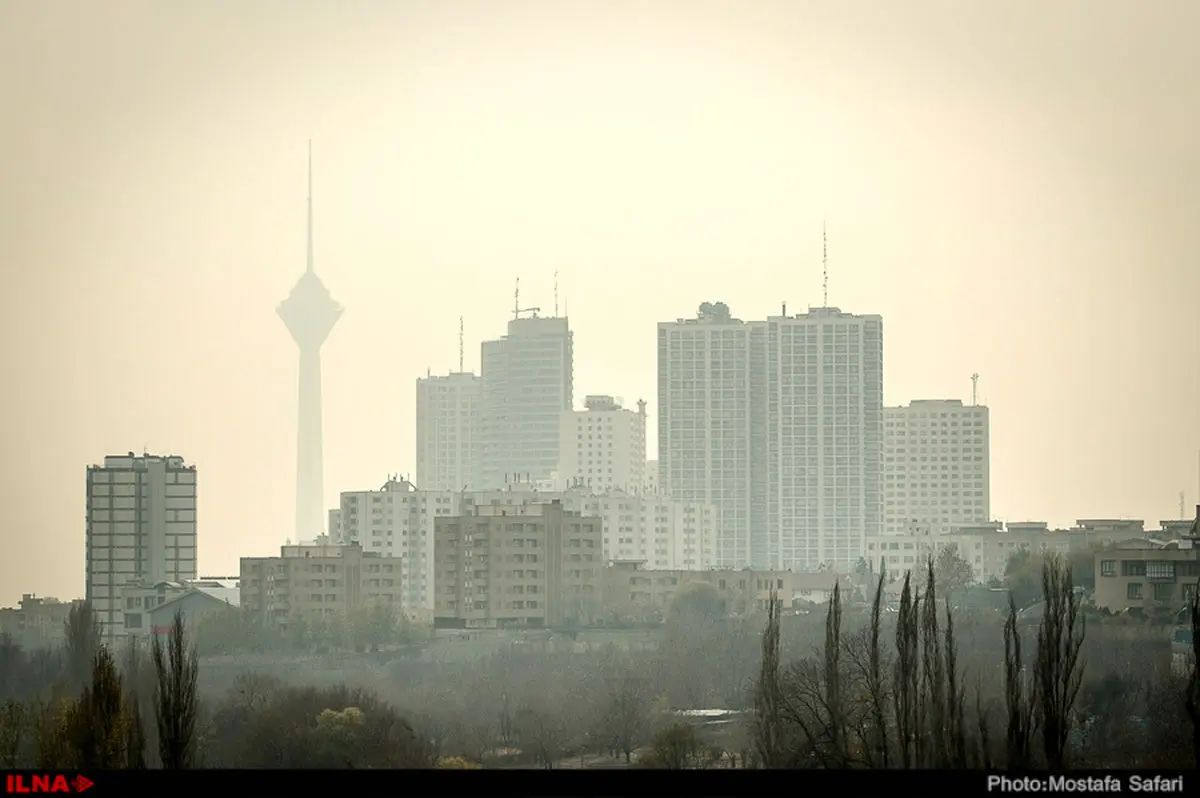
[81,783]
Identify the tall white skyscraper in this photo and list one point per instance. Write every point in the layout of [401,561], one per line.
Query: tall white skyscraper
[712,426]
[826,437]
[527,385]
[779,423]
[603,447]
[141,527]
[937,469]
[449,448]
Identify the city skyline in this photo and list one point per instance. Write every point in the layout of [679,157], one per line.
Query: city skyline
[1029,220]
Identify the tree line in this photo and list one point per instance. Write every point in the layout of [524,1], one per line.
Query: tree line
[894,694]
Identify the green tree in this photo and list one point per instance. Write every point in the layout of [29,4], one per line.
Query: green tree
[94,725]
[951,572]
[177,701]
[1023,577]
[82,634]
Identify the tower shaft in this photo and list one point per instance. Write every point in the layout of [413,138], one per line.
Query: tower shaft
[310,522]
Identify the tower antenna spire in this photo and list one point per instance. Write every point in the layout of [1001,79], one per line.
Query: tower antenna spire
[556,293]
[460,344]
[974,390]
[309,265]
[824,267]
[517,299]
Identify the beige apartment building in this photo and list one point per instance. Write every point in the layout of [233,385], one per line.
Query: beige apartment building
[36,622]
[1146,574]
[633,591]
[516,565]
[319,580]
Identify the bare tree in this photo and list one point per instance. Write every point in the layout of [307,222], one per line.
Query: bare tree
[833,684]
[177,702]
[82,634]
[876,685]
[1058,667]
[1018,699]
[626,720]
[135,731]
[767,732]
[14,723]
[933,678]
[906,681]
[1192,697]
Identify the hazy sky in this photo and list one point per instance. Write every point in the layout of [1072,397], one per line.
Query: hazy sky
[1013,186]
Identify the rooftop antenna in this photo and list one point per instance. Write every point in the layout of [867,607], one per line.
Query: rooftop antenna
[824,267]
[309,266]
[460,344]
[1181,506]
[517,309]
[556,293]
[974,390]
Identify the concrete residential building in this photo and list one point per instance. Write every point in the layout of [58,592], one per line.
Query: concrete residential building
[517,565]
[322,580]
[633,591]
[937,472]
[449,449]
[662,532]
[527,385]
[652,484]
[1147,575]
[335,525]
[603,447]
[141,527]
[397,521]
[825,423]
[150,608]
[712,426]
[36,622]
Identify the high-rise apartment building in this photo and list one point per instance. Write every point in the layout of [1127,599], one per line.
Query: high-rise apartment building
[527,385]
[779,423]
[825,416]
[936,467]
[141,528]
[603,447]
[712,426]
[518,565]
[448,431]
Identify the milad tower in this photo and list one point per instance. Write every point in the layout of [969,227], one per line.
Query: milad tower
[309,313]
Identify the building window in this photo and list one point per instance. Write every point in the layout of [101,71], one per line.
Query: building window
[1133,568]
[1133,590]
[1160,570]
[1108,567]
[1163,591]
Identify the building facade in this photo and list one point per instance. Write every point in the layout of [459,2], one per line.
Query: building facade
[36,622]
[1147,575]
[659,531]
[603,447]
[528,383]
[779,424]
[536,565]
[141,527]
[712,426]
[825,422]
[937,472]
[331,581]
[449,447]
[398,521]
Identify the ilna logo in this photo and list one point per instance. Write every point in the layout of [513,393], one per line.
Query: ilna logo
[21,783]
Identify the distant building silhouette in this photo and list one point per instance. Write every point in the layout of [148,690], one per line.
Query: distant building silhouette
[448,431]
